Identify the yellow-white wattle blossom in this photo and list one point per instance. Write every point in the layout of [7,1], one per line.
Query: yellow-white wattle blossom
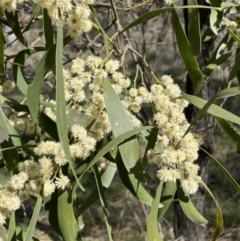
[8,86]
[178,151]
[9,5]
[75,14]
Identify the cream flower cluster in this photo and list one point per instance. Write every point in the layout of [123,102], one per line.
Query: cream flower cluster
[83,89]
[32,178]
[9,5]
[170,2]
[75,14]
[175,153]
[135,98]
[7,87]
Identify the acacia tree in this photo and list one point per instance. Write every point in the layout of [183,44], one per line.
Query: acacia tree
[93,85]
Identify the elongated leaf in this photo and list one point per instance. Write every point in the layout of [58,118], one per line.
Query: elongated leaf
[152,222]
[215,16]
[106,180]
[224,170]
[12,228]
[117,114]
[214,21]
[49,126]
[14,24]
[103,202]
[188,208]
[60,100]
[66,219]
[48,29]
[12,18]
[34,219]
[155,13]
[18,68]
[186,53]
[106,38]
[219,219]
[132,184]
[116,141]
[15,138]
[51,207]
[120,123]
[3,127]
[213,109]
[167,197]
[234,36]
[221,94]
[219,49]
[145,17]
[2,47]
[21,234]
[34,89]
[230,131]
[194,35]
[216,63]
[228,4]
[235,68]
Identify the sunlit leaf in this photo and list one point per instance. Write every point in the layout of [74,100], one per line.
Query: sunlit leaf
[120,123]
[114,142]
[152,221]
[12,228]
[228,4]
[60,100]
[34,89]
[18,68]
[167,197]
[221,94]
[215,16]
[235,37]
[214,21]
[66,219]
[22,233]
[213,109]
[188,208]
[34,219]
